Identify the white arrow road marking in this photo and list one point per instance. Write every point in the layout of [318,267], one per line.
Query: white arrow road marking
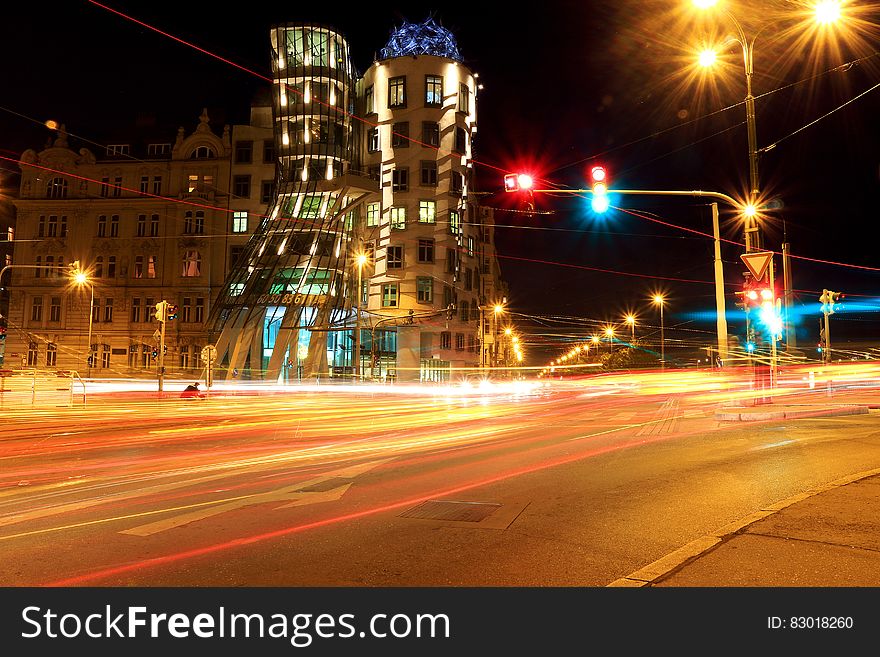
[294,495]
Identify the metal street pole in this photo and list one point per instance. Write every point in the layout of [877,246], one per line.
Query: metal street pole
[662,339]
[162,344]
[91,317]
[772,334]
[357,330]
[721,314]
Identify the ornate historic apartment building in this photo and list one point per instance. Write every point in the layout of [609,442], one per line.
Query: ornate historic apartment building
[253,233]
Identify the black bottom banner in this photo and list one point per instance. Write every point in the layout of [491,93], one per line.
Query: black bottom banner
[429,621]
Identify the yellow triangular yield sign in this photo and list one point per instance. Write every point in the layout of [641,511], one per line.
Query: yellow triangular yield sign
[757,262]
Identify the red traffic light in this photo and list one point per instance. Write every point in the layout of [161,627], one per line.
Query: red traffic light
[598,174]
[514,182]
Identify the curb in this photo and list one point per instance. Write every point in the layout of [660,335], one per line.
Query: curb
[743,415]
[692,551]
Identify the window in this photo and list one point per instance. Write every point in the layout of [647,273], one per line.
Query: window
[369,101]
[52,228]
[239,221]
[267,191]
[373,143]
[394,257]
[192,183]
[41,227]
[460,145]
[108,309]
[102,226]
[114,226]
[157,185]
[468,279]
[139,266]
[62,230]
[111,266]
[151,266]
[117,186]
[235,254]
[37,309]
[186,309]
[241,186]
[192,264]
[428,173]
[427,212]
[145,185]
[55,309]
[431,133]
[398,217]
[425,289]
[118,149]
[194,225]
[244,152]
[455,184]
[445,340]
[470,245]
[142,225]
[451,261]
[465,311]
[373,214]
[50,267]
[202,153]
[136,311]
[184,357]
[105,187]
[459,341]
[454,222]
[150,309]
[96,311]
[400,180]
[269,151]
[464,98]
[154,225]
[105,355]
[200,310]
[433,90]
[397,92]
[51,354]
[426,250]
[389,295]
[448,297]
[57,188]
[158,149]
[373,172]
[400,135]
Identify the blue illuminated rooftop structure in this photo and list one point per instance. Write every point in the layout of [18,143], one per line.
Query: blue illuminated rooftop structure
[426,38]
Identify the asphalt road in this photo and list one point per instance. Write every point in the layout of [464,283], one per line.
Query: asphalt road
[575,483]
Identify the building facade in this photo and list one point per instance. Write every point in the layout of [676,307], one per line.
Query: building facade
[254,232]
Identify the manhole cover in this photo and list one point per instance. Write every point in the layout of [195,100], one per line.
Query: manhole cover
[449,510]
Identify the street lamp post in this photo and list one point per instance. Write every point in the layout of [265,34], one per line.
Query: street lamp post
[631,320]
[609,333]
[660,300]
[80,278]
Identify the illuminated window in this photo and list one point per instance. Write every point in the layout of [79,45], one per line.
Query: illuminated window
[427,212]
[397,92]
[373,214]
[454,222]
[433,90]
[373,143]
[239,221]
[389,295]
[192,264]
[151,266]
[398,217]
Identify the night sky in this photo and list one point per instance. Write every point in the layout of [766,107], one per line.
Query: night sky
[567,85]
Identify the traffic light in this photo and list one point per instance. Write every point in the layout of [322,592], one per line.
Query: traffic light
[161,311]
[2,332]
[831,301]
[515,182]
[171,312]
[599,184]
[155,353]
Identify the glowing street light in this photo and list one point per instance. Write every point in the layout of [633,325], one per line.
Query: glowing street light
[81,278]
[660,300]
[631,320]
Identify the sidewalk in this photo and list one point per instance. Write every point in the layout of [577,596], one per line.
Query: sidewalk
[826,537]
